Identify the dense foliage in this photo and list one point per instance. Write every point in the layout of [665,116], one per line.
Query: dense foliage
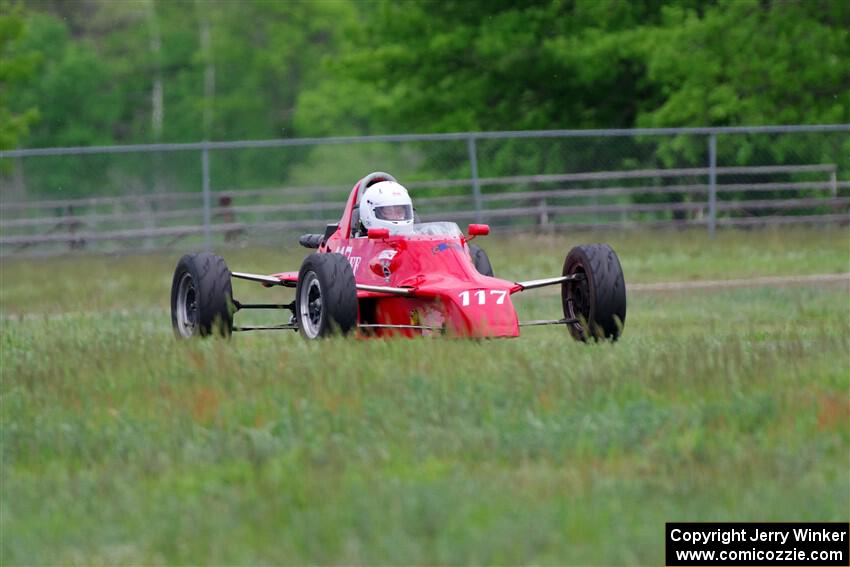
[100,72]
[94,71]
[119,72]
[499,65]
[16,67]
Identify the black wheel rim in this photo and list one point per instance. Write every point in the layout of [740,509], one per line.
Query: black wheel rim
[187,306]
[578,299]
[310,304]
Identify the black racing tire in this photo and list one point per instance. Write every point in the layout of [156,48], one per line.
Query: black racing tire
[481,260]
[598,299]
[325,296]
[201,297]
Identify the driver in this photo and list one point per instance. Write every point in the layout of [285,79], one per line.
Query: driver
[385,204]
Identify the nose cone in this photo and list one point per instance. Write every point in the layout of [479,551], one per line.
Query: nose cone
[483,312]
[441,270]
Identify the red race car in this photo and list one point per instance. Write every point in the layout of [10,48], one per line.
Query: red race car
[381,272]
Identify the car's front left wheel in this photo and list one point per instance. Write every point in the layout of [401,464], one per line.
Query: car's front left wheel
[595,301]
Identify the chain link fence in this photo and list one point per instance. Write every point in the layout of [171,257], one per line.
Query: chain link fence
[206,194]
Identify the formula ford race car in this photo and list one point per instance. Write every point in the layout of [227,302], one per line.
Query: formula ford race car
[418,279]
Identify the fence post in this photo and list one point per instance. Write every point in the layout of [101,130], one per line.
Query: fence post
[712,184]
[544,213]
[205,180]
[476,188]
[148,209]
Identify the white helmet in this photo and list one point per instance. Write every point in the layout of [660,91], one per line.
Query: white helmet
[386,204]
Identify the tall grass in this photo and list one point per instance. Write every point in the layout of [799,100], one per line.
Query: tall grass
[121,445]
[78,282]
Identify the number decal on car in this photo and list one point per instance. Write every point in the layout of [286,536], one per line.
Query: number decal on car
[481,296]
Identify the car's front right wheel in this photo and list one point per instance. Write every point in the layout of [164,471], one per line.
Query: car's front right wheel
[201,297]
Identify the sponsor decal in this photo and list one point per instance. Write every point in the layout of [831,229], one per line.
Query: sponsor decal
[387,256]
[384,259]
[443,246]
[353,260]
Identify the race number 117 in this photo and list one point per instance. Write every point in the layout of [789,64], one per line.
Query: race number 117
[481,296]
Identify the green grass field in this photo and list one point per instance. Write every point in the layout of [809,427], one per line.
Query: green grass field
[121,445]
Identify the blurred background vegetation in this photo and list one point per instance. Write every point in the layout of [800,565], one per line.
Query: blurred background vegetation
[100,72]
[103,72]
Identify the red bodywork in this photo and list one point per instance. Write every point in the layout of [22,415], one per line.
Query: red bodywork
[446,291]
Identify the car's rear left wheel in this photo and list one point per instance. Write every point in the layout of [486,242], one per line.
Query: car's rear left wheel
[481,260]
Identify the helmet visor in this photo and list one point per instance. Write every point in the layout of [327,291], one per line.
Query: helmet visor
[394,212]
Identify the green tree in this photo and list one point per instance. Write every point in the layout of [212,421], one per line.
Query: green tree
[136,72]
[484,65]
[746,62]
[17,67]
[750,62]
[71,88]
[456,66]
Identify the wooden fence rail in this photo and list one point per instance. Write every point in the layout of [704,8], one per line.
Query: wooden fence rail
[170,198]
[163,219]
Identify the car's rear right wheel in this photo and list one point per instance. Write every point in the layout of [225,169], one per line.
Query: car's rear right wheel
[325,296]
